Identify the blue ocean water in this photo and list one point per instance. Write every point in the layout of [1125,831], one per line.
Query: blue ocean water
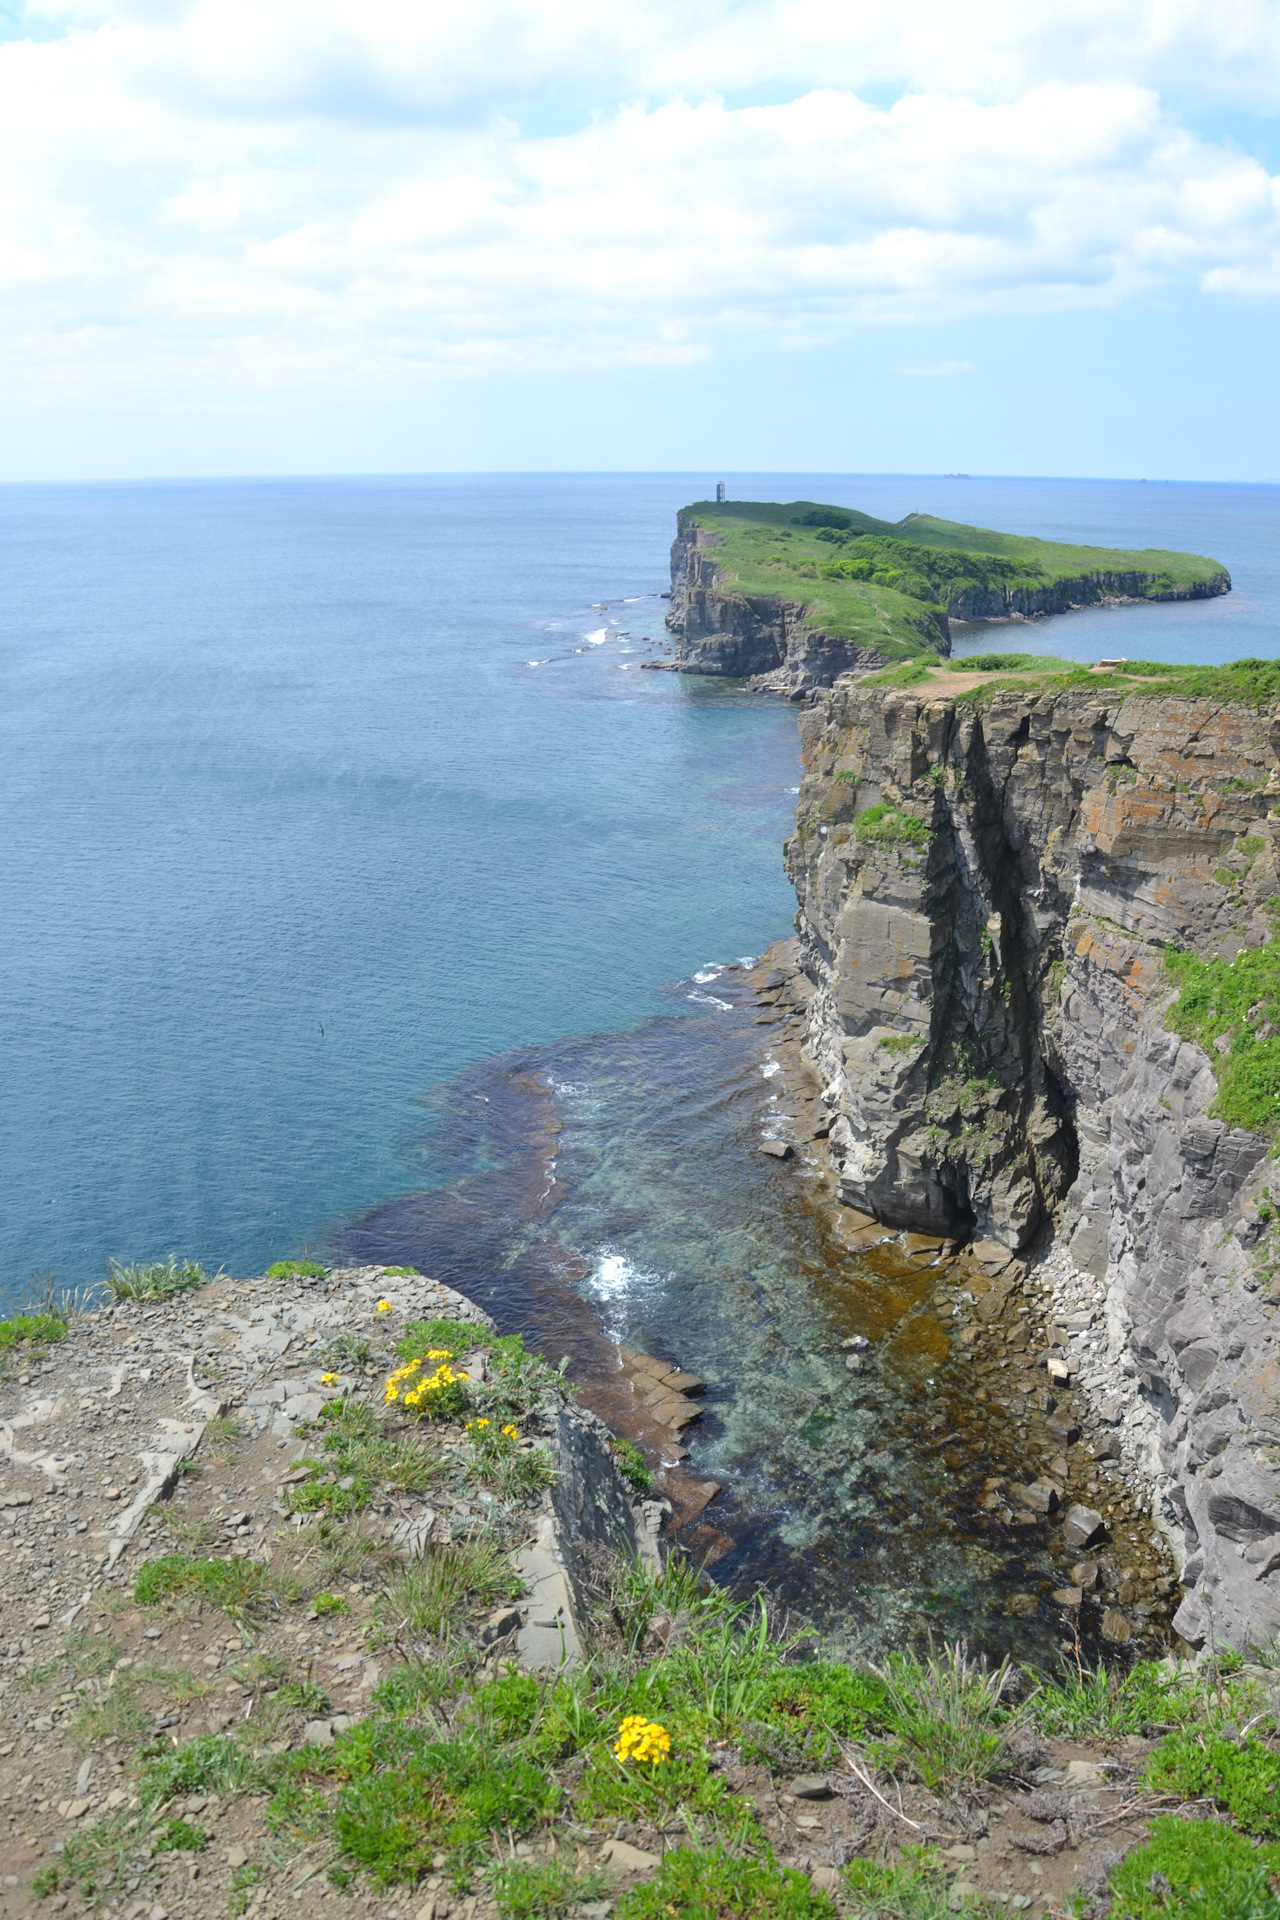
[293,830]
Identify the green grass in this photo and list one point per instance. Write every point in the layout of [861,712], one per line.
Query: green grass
[709,1883]
[179,1836]
[360,1457]
[212,1763]
[31,1330]
[295,1270]
[1196,1870]
[325,1604]
[153,1279]
[901,1042]
[1149,1699]
[401,1273]
[447,1584]
[1010,663]
[344,1350]
[1243,1777]
[96,1861]
[884,824]
[238,1588]
[632,1465]
[1231,999]
[542,1889]
[914,1888]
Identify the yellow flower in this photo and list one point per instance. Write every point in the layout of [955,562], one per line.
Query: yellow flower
[510,1433]
[384,1306]
[642,1740]
[328,1379]
[473,1426]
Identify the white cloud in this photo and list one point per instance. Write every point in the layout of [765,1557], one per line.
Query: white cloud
[227,196]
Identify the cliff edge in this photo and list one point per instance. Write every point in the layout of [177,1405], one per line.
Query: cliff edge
[1039,928]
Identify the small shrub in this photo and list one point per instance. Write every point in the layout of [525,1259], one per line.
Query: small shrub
[883,823]
[1197,1870]
[179,1836]
[344,1350]
[709,1883]
[303,1695]
[1242,1776]
[295,1270]
[31,1330]
[631,1465]
[153,1279]
[541,1889]
[326,1603]
[898,1043]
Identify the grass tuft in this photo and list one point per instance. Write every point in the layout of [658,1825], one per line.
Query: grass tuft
[947,1713]
[709,1883]
[32,1330]
[153,1279]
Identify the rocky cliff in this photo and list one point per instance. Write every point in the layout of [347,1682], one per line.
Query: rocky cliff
[989,894]
[769,638]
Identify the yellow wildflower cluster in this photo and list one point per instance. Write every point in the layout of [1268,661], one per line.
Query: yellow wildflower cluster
[476,1426]
[385,1306]
[415,1388]
[510,1433]
[643,1740]
[328,1379]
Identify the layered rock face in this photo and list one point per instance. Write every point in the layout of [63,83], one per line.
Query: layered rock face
[986,894]
[758,636]
[1103,588]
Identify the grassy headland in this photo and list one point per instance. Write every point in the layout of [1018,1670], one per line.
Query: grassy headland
[893,584]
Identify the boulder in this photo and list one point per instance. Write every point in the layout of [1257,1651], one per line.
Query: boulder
[1082,1526]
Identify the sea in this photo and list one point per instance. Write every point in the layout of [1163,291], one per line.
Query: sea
[357,875]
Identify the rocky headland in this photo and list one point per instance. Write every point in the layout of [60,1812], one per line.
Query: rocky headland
[791,597]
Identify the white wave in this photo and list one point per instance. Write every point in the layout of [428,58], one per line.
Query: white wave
[614,1276]
[535,663]
[771,1067]
[711,971]
[793,789]
[598,638]
[746,959]
[709,1000]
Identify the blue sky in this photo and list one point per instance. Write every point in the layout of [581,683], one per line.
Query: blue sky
[261,236]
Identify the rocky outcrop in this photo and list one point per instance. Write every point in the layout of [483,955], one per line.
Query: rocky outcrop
[986,896]
[1099,589]
[758,636]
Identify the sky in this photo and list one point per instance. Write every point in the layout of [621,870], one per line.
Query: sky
[270,236]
